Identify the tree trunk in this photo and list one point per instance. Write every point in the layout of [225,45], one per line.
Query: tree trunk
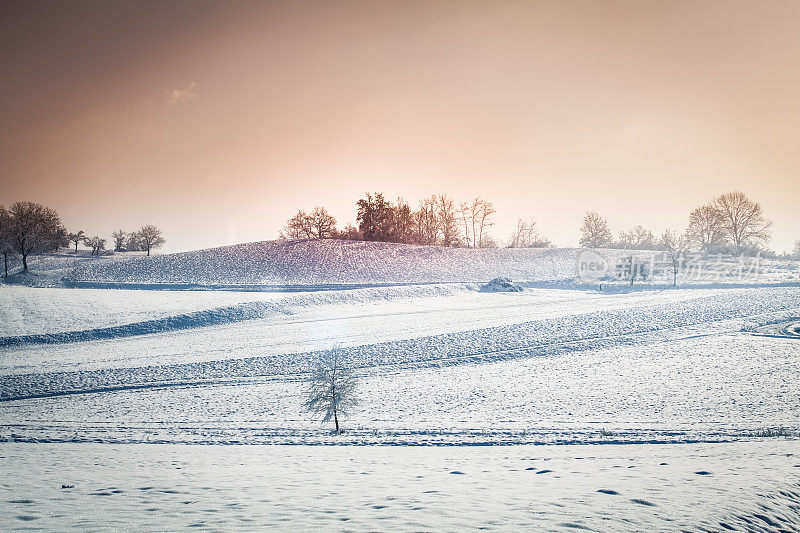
[148,251]
[5,262]
[336,420]
[24,262]
[76,246]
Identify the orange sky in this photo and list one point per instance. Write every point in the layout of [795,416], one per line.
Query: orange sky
[217,121]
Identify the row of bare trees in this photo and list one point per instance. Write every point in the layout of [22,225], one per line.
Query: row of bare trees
[148,238]
[730,222]
[437,220]
[28,228]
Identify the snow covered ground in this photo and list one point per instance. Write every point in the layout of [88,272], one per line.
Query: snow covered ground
[703,377]
[688,487]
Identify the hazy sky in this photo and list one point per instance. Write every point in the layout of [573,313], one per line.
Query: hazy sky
[217,121]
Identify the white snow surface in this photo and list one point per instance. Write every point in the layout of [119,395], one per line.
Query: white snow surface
[615,488]
[131,395]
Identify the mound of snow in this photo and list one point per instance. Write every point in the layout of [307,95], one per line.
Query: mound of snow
[317,262]
[501,285]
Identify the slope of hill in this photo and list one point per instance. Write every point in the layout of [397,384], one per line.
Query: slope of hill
[333,262]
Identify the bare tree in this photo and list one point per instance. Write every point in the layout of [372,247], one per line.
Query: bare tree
[637,238]
[632,267]
[298,227]
[484,211]
[706,228]
[675,245]
[96,244]
[426,222]
[404,223]
[133,243]
[150,238]
[465,212]
[476,217]
[743,220]
[594,231]
[6,245]
[35,228]
[322,223]
[331,387]
[349,233]
[448,220]
[77,238]
[120,238]
[526,236]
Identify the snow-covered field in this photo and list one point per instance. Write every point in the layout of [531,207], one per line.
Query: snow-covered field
[146,487]
[136,380]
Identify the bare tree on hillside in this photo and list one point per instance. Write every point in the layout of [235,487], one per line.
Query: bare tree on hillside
[349,233]
[96,244]
[298,227]
[150,238]
[6,245]
[526,236]
[476,217]
[594,231]
[404,224]
[133,242]
[77,238]
[331,388]
[35,228]
[323,224]
[484,213]
[637,238]
[426,222]
[448,220]
[706,228]
[743,220]
[120,238]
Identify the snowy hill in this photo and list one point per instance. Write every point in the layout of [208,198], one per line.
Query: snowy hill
[333,262]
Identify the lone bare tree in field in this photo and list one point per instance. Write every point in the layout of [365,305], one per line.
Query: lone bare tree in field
[149,238]
[743,220]
[594,231]
[35,228]
[331,388]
